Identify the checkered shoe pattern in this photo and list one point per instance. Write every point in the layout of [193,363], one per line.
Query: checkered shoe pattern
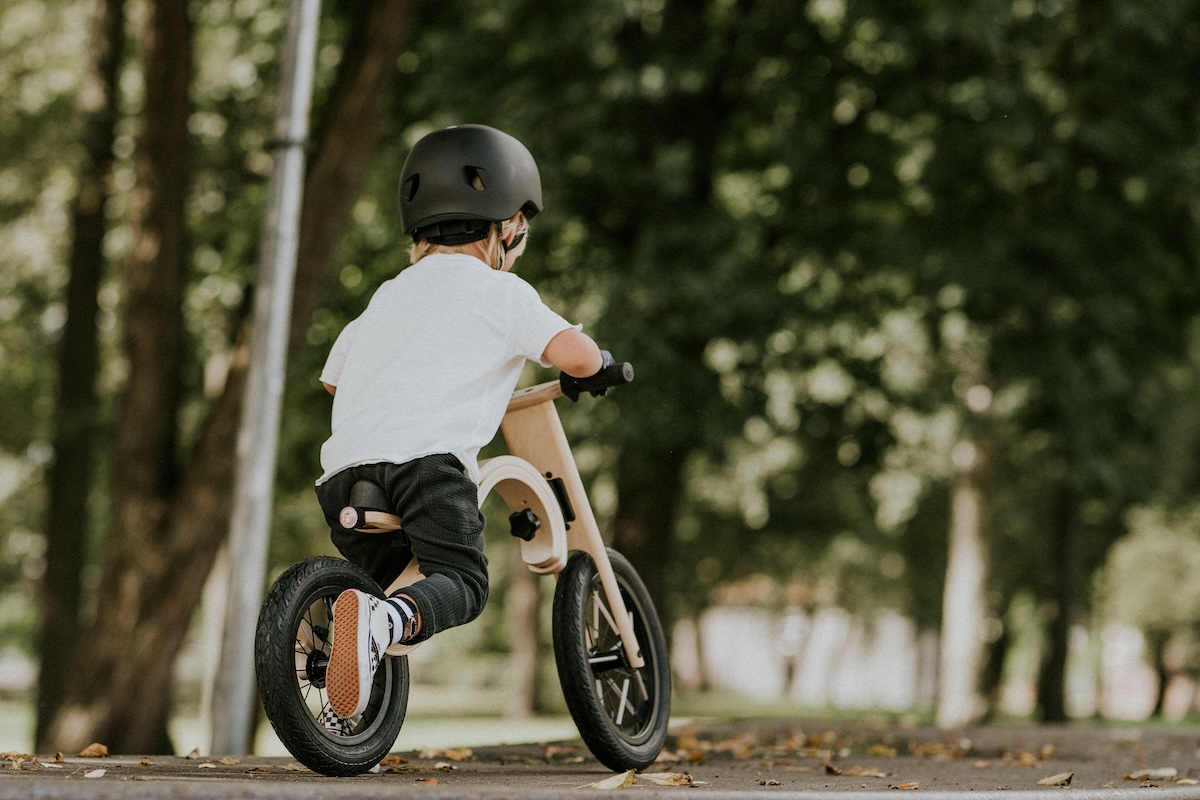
[361,632]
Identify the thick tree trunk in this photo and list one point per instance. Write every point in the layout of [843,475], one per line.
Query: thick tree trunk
[348,134]
[144,469]
[169,523]
[522,607]
[1052,679]
[70,479]
[649,485]
[964,610]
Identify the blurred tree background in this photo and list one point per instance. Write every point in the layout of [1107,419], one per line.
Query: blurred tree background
[910,290]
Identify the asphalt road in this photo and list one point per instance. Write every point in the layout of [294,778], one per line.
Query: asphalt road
[729,760]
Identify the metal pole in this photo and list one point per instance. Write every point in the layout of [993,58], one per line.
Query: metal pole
[258,437]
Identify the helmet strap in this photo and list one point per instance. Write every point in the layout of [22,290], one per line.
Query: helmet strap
[455,231]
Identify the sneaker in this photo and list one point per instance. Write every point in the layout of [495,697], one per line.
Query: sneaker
[335,724]
[361,632]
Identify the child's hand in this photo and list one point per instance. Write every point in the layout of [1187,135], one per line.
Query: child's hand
[610,374]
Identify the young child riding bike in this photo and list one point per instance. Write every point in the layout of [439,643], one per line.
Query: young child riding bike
[421,381]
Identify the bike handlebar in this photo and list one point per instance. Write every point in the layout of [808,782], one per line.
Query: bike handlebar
[598,384]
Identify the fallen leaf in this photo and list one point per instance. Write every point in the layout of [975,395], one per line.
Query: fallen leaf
[58,758]
[560,751]
[206,765]
[866,772]
[768,782]
[94,750]
[982,763]
[444,766]
[1187,782]
[1161,774]
[258,771]
[194,754]
[402,769]
[907,785]
[393,761]
[294,767]
[1061,779]
[832,769]
[229,761]
[427,781]
[881,751]
[145,762]
[618,781]
[668,779]
[96,773]
[454,753]
[60,766]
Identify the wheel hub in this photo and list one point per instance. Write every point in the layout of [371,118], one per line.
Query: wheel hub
[316,666]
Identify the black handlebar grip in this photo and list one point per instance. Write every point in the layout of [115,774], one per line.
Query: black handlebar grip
[598,384]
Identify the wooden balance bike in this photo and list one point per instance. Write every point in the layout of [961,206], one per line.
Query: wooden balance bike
[608,643]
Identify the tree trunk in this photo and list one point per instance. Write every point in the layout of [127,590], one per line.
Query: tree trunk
[964,611]
[144,469]
[76,410]
[649,485]
[170,523]
[522,607]
[1052,678]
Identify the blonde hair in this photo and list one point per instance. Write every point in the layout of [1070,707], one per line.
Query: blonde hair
[489,250]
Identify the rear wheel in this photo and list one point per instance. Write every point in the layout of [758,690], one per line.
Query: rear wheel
[621,712]
[294,641]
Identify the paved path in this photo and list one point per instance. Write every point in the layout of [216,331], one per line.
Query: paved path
[728,760]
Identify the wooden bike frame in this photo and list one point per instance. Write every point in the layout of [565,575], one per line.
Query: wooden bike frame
[539,453]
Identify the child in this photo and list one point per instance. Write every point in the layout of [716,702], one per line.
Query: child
[421,381]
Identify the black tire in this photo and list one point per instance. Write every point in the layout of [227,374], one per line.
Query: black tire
[290,659]
[621,712]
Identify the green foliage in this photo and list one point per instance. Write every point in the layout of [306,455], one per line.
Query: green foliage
[833,237]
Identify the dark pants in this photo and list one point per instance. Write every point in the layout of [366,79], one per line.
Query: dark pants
[438,504]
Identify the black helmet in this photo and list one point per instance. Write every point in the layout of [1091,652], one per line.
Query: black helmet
[457,181]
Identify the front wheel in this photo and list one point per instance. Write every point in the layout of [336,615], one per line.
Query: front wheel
[621,712]
[294,639]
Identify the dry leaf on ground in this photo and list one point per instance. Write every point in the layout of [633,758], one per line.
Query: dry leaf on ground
[96,773]
[769,782]
[668,779]
[206,765]
[907,785]
[1160,774]
[192,756]
[427,781]
[402,769]
[832,769]
[881,751]
[393,761]
[618,781]
[1061,779]
[865,772]
[453,754]
[94,750]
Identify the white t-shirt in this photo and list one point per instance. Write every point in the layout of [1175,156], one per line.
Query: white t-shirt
[430,365]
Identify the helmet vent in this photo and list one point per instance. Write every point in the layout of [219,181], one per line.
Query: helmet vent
[477,178]
[410,188]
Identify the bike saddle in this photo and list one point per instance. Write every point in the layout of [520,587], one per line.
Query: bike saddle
[369,511]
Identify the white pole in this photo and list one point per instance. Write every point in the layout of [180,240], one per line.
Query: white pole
[232,712]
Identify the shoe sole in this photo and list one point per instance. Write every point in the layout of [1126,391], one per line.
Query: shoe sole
[342,679]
